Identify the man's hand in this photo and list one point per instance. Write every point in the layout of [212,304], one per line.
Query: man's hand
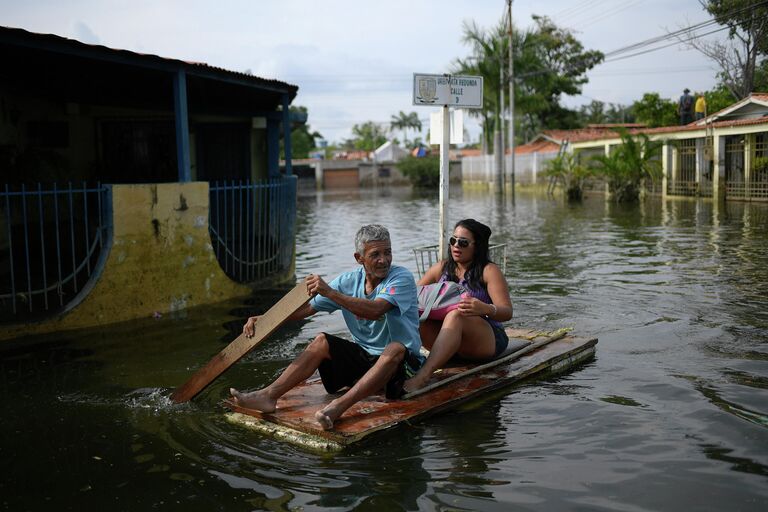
[317,286]
[250,326]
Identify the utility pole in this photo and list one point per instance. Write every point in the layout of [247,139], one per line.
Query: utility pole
[500,177]
[511,77]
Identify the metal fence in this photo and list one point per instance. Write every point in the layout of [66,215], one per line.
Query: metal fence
[252,227]
[51,244]
[429,255]
[528,168]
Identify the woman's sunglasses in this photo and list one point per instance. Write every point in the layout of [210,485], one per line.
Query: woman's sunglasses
[461,242]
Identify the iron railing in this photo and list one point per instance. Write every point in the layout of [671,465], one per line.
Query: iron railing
[51,244]
[429,255]
[252,227]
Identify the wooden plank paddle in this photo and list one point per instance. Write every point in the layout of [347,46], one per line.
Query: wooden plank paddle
[232,353]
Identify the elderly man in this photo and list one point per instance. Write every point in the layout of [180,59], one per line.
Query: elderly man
[380,307]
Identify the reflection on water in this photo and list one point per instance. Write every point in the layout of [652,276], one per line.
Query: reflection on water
[675,401]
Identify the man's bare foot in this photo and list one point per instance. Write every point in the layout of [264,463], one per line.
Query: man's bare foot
[255,400]
[326,416]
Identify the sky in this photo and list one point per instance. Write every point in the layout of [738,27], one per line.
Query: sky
[354,60]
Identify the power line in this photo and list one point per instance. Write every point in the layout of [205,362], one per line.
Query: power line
[578,8]
[697,36]
[697,26]
[615,9]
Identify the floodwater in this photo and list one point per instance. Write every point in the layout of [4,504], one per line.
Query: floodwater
[672,414]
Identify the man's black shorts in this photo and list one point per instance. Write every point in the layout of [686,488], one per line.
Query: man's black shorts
[349,361]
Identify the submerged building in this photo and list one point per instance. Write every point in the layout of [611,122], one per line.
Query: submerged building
[723,156]
[133,184]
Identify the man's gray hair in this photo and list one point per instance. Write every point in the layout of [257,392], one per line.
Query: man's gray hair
[370,233]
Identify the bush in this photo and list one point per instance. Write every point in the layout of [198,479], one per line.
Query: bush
[423,172]
[636,159]
[570,173]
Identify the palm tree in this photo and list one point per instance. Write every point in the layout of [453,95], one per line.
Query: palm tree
[489,52]
[567,170]
[628,166]
[404,122]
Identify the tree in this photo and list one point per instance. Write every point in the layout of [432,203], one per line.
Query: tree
[717,99]
[368,136]
[654,111]
[598,112]
[302,139]
[554,63]
[566,169]
[741,57]
[404,122]
[629,165]
[549,62]
[488,55]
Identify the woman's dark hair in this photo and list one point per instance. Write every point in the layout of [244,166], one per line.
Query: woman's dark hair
[474,274]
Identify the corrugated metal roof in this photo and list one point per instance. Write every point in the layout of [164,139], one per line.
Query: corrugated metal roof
[53,42]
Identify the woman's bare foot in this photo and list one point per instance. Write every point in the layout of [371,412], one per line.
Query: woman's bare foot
[327,415]
[255,400]
[413,384]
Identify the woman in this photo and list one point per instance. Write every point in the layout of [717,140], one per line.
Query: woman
[473,330]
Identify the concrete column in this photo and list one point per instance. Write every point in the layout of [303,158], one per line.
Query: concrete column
[607,152]
[718,170]
[665,168]
[319,175]
[535,167]
[675,161]
[748,152]
[699,162]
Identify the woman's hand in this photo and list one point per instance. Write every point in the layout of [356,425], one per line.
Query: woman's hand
[250,326]
[470,306]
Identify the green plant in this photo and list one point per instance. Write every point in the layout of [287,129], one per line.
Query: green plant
[629,164]
[566,169]
[423,172]
[760,164]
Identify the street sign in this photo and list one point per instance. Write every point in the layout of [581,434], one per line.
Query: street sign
[451,90]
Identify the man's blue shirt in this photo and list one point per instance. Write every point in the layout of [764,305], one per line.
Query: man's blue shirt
[400,323]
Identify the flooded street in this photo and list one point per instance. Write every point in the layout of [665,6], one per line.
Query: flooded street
[672,414]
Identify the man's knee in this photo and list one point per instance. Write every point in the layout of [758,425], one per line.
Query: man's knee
[320,345]
[394,352]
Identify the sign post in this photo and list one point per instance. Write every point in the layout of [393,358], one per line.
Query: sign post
[446,90]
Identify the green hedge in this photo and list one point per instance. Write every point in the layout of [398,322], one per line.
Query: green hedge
[423,172]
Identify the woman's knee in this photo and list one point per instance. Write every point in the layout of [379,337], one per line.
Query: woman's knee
[453,317]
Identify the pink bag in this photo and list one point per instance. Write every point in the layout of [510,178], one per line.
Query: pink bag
[438,299]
